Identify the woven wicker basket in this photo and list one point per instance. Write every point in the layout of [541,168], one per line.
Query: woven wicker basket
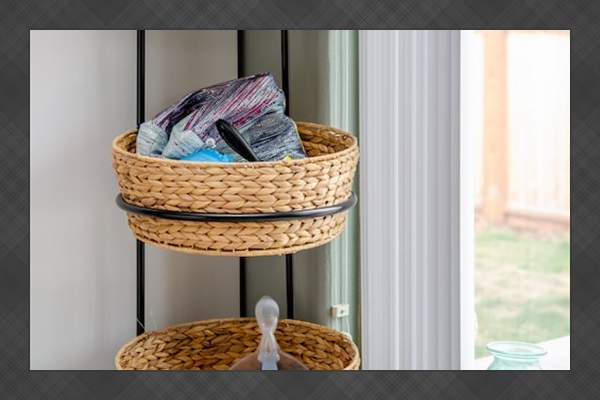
[218,344]
[322,179]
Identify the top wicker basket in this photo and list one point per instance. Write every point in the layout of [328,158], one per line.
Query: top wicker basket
[322,179]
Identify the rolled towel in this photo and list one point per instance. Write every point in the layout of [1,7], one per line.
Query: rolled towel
[254,105]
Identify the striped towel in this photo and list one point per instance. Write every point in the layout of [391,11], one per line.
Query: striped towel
[254,105]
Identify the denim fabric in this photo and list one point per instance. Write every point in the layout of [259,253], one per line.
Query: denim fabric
[254,105]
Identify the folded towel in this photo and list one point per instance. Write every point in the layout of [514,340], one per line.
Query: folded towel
[254,105]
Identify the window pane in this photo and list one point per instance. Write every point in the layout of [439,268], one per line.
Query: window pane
[522,227]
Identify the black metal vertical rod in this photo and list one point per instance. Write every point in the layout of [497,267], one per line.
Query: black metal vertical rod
[243,308]
[289,285]
[140,250]
[140,255]
[240,72]
[240,53]
[141,76]
[285,70]
[289,260]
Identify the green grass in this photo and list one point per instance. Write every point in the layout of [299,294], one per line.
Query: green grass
[523,251]
[522,287]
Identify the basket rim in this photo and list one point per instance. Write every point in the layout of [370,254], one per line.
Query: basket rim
[355,360]
[255,164]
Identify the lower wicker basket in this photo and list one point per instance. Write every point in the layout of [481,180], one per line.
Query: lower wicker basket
[218,344]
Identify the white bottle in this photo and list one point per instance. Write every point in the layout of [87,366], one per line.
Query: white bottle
[267,314]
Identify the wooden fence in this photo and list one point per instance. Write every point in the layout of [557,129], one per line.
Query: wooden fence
[524,175]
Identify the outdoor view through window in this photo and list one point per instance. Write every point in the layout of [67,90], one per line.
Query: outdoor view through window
[522,188]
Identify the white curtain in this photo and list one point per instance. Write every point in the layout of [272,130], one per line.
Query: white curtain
[412,310]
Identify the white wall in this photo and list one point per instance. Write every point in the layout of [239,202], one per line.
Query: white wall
[83,91]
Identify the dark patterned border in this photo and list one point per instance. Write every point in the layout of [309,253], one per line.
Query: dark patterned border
[17,17]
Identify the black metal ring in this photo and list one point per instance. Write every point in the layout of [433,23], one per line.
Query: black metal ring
[241,217]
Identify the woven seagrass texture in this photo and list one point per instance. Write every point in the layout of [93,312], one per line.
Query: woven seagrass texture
[323,178]
[237,238]
[218,344]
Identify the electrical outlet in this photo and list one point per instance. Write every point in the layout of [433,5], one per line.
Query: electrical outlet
[340,310]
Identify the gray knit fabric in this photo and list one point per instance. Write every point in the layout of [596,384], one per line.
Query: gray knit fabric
[254,105]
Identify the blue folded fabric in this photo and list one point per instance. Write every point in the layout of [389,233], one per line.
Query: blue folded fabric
[208,155]
[254,105]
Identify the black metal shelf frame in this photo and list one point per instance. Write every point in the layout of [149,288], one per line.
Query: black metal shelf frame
[237,217]
[247,217]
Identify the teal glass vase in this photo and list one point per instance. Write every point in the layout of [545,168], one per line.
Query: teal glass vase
[515,356]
